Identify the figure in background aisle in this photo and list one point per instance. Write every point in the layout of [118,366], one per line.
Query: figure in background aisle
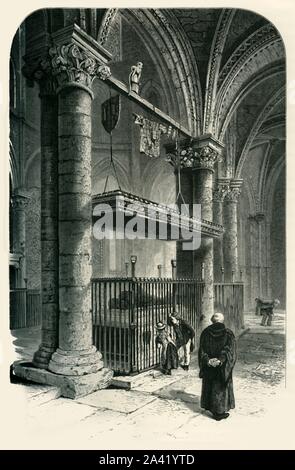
[265,308]
[217,357]
[184,334]
[169,356]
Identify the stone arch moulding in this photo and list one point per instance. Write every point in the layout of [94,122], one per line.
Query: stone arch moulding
[155,179]
[13,167]
[217,48]
[101,167]
[269,71]
[33,158]
[152,86]
[247,187]
[262,56]
[274,100]
[175,61]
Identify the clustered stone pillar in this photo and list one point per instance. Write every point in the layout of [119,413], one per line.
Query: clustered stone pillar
[196,161]
[230,238]
[74,362]
[19,203]
[221,188]
[203,169]
[49,223]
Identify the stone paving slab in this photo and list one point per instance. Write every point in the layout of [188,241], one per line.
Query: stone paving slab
[160,381]
[123,401]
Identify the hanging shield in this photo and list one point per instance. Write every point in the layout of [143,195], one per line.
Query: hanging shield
[110,112]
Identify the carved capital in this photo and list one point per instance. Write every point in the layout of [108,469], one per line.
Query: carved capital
[205,158]
[234,191]
[233,195]
[73,65]
[19,201]
[202,159]
[39,70]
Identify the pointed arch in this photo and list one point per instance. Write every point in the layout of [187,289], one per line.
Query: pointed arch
[274,101]
[174,59]
[215,58]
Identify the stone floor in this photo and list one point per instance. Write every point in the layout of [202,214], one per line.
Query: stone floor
[162,412]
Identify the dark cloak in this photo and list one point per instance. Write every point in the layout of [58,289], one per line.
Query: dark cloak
[169,355]
[219,342]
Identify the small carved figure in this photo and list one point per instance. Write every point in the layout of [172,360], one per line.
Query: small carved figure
[134,77]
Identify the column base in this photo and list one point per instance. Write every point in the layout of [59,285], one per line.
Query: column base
[76,363]
[70,386]
[42,356]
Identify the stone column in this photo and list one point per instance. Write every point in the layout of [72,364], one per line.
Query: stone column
[230,238]
[260,219]
[49,222]
[76,355]
[75,366]
[221,188]
[203,168]
[19,203]
[196,159]
[268,259]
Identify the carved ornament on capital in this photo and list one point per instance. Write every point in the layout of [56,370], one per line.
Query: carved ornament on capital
[19,201]
[233,192]
[201,159]
[72,65]
[68,58]
[220,191]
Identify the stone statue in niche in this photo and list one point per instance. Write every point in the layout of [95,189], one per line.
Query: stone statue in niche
[134,77]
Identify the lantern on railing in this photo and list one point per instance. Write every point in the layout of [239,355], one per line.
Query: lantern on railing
[133,259]
[173,264]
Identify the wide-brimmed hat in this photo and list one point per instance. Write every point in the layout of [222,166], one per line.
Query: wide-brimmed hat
[160,325]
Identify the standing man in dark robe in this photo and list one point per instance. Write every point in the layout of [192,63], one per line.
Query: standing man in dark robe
[217,357]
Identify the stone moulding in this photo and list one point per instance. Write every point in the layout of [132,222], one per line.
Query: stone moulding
[68,56]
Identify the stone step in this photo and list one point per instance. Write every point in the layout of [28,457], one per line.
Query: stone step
[151,380]
[129,382]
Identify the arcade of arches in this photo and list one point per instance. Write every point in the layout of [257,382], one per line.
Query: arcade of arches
[219,73]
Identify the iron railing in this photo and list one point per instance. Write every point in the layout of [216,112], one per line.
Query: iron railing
[125,312]
[25,308]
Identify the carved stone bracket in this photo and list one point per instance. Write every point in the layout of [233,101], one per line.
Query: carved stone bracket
[259,217]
